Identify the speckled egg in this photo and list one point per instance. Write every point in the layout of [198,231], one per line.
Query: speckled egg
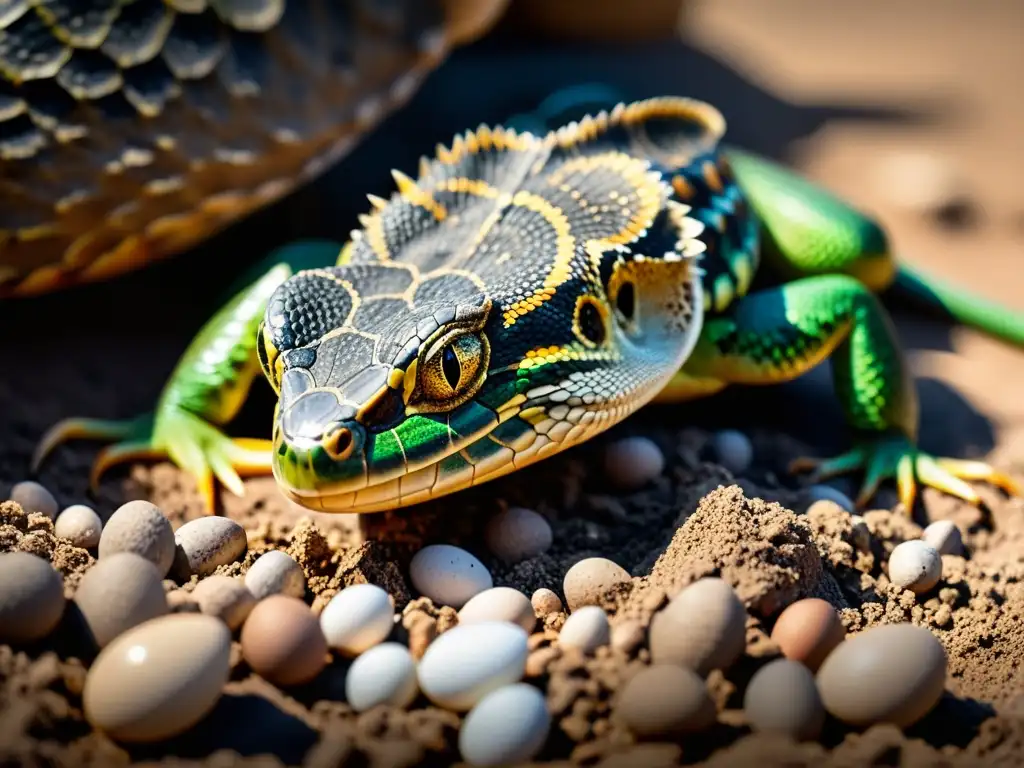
[119,592]
[586,629]
[275,573]
[589,580]
[140,528]
[282,641]
[782,697]
[80,525]
[499,604]
[448,575]
[807,631]
[357,618]
[894,673]
[633,462]
[467,662]
[31,597]
[518,534]
[703,627]
[915,565]
[385,674]
[159,678]
[665,701]
[34,497]
[225,597]
[508,726]
[206,543]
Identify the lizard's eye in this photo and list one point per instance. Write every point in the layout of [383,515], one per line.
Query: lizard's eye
[452,367]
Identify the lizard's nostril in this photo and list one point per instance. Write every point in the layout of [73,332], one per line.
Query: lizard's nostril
[338,442]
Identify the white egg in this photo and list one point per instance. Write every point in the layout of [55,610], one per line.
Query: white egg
[357,618]
[507,726]
[467,662]
[586,629]
[385,674]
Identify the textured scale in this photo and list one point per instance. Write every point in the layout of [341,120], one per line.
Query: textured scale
[524,241]
[132,129]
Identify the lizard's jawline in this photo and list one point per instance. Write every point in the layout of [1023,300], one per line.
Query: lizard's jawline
[344,501]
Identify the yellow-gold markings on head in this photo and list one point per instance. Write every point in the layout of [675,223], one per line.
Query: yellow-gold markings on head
[590,321]
[561,270]
[269,357]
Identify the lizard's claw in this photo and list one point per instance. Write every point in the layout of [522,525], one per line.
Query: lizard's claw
[191,443]
[896,457]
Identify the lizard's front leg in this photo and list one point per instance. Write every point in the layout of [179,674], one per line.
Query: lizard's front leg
[208,387]
[778,334]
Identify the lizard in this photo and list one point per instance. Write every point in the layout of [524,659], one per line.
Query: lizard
[131,130]
[528,290]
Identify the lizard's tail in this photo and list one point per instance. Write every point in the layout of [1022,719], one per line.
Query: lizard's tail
[959,305]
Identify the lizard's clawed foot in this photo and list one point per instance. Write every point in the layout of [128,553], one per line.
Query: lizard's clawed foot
[191,443]
[896,457]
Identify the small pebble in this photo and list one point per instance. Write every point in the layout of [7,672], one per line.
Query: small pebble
[589,580]
[518,534]
[499,604]
[944,536]
[282,641]
[141,528]
[633,462]
[545,601]
[807,631]
[467,662]
[276,573]
[80,525]
[915,565]
[586,629]
[34,497]
[357,618]
[225,597]
[31,597]
[861,533]
[628,635]
[893,673]
[828,493]
[665,701]
[121,591]
[180,601]
[207,543]
[782,697]
[158,679]
[385,674]
[733,450]
[703,628]
[508,726]
[448,575]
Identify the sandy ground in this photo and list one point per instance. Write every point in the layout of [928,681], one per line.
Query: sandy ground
[846,93]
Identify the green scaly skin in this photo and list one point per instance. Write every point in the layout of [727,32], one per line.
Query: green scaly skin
[355,446]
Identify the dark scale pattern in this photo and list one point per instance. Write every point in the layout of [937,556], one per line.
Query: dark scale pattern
[731,230]
[310,305]
[528,230]
[214,99]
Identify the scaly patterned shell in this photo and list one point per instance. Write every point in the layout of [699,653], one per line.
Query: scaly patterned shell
[132,129]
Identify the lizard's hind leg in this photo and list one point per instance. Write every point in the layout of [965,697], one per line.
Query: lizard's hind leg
[778,334]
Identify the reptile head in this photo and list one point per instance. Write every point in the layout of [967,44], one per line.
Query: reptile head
[515,300]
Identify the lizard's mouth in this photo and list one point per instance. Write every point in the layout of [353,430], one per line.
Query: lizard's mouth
[339,465]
